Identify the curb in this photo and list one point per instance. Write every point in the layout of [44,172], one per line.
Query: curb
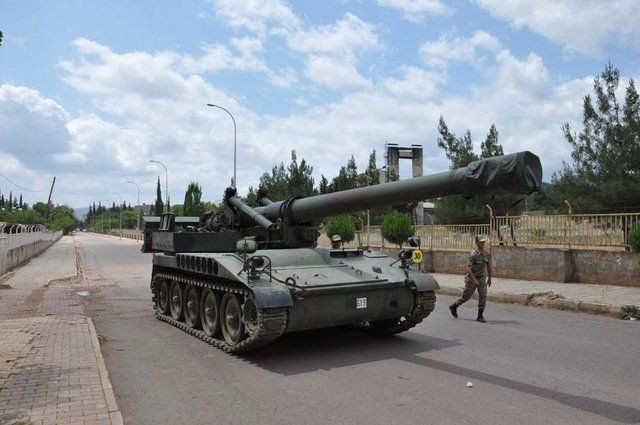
[525,299]
[114,413]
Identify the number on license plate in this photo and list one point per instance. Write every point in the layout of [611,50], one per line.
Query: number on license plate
[361,303]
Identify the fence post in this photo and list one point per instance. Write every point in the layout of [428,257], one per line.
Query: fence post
[431,231]
[490,229]
[568,223]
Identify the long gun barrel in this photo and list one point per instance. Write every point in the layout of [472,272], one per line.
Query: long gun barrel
[514,173]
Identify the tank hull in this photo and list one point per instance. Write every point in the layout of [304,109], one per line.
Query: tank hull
[325,288]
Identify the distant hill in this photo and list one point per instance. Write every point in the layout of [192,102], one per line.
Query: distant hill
[80,212]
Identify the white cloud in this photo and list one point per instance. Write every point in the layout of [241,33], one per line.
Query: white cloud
[255,15]
[416,85]
[447,49]
[417,10]
[149,106]
[346,37]
[333,51]
[33,127]
[334,73]
[584,26]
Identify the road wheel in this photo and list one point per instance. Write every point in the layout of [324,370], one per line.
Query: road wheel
[210,312]
[162,296]
[231,319]
[192,306]
[176,301]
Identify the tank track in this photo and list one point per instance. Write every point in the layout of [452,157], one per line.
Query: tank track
[425,303]
[271,322]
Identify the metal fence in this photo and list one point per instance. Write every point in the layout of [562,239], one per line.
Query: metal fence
[570,230]
[607,231]
[17,235]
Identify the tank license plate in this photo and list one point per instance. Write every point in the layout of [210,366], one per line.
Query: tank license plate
[361,302]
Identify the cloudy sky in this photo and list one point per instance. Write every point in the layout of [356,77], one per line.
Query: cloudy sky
[91,90]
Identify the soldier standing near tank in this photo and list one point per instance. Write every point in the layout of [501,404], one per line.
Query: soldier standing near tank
[475,278]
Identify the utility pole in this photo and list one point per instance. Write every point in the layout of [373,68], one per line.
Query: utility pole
[49,200]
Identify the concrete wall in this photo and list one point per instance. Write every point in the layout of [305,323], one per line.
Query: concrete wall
[559,265]
[18,248]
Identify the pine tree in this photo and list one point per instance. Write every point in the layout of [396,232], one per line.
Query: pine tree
[324,186]
[490,147]
[193,200]
[457,150]
[158,206]
[605,174]
[458,209]
[10,203]
[300,177]
[20,204]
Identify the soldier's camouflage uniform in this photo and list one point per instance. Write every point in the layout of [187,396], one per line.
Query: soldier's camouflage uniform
[478,261]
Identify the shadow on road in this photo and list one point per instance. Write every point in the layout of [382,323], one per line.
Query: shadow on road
[308,351]
[326,349]
[605,409]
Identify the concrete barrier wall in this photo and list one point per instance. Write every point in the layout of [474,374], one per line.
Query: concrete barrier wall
[558,265]
[15,249]
[136,235]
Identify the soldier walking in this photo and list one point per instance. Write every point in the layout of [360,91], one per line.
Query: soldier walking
[475,278]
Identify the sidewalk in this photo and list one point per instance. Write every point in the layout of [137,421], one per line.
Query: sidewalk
[599,299]
[51,366]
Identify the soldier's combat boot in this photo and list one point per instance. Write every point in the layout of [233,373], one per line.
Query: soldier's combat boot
[480,316]
[454,309]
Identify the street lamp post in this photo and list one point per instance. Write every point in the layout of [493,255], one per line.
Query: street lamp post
[234,140]
[166,182]
[139,208]
[120,208]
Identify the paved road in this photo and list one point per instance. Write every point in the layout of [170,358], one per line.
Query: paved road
[527,365]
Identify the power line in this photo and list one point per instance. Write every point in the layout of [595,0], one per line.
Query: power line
[20,187]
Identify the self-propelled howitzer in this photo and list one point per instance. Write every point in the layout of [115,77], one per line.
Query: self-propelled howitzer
[242,276]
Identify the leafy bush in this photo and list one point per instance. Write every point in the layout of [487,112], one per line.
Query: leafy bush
[634,238]
[630,311]
[538,233]
[342,225]
[397,227]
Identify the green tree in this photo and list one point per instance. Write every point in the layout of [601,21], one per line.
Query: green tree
[342,225]
[41,208]
[0,38]
[458,209]
[300,177]
[634,238]
[605,174]
[457,150]
[347,177]
[490,147]
[158,206]
[193,200]
[285,182]
[324,185]
[397,227]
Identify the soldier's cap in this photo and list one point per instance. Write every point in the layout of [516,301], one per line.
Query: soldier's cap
[481,238]
[336,238]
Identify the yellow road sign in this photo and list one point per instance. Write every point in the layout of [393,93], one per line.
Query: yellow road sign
[417,256]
